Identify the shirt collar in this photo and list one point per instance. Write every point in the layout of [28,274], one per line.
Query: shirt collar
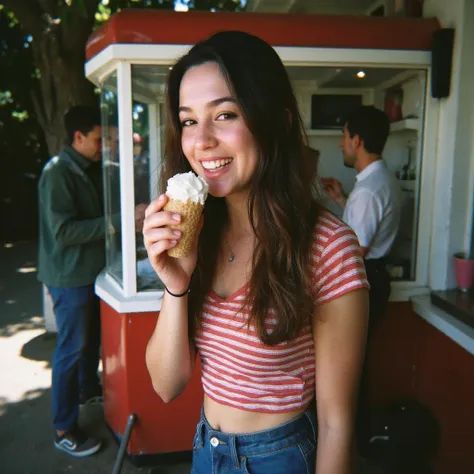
[79,159]
[368,170]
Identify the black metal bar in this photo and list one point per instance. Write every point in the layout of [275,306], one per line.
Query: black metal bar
[124,443]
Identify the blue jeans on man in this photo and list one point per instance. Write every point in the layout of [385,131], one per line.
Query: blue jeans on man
[77,353]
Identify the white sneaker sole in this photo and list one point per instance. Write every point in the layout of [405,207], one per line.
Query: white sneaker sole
[79,454]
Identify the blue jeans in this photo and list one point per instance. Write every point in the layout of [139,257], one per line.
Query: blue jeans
[76,357]
[286,449]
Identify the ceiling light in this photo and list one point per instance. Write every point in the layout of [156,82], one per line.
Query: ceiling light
[361,74]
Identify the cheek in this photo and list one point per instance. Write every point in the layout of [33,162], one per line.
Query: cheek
[187,145]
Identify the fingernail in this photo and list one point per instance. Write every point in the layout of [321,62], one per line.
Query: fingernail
[161,197]
[177,233]
[174,242]
[176,217]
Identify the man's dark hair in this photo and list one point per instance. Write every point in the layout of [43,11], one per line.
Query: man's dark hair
[81,118]
[372,126]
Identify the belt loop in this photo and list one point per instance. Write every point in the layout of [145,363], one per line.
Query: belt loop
[200,430]
[233,452]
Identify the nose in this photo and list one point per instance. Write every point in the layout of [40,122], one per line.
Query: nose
[204,138]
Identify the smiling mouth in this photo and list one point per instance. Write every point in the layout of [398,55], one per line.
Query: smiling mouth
[215,165]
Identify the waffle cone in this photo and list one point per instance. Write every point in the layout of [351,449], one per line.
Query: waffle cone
[190,214]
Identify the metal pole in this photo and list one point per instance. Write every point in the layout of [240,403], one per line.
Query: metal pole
[124,443]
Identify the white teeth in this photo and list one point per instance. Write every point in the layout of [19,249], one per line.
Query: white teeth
[216,164]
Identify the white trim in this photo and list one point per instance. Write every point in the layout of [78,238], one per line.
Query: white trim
[164,54]
[111,293]
[155,148]
[305,56]
[405,290]
[127,185]
[456,330]
[291,56]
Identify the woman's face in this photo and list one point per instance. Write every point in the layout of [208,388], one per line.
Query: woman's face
[215,138]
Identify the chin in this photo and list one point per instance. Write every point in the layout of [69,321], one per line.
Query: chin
[218,193]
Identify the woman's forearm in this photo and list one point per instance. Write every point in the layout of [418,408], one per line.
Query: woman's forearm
[335,453]
[169,357]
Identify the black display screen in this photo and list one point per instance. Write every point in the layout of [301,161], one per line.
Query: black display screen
[330,111]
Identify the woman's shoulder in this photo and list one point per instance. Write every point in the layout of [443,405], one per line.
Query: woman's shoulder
[337,264]
[328,229]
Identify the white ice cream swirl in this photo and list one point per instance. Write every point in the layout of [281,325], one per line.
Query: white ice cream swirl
[184,186]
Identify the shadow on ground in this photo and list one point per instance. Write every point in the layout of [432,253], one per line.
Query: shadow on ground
[26,433]
[40,348]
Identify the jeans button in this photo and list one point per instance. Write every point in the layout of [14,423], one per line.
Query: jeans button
[214,442]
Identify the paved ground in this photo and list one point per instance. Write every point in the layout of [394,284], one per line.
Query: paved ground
[26,348]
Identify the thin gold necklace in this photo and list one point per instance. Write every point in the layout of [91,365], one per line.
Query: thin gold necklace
[231,258]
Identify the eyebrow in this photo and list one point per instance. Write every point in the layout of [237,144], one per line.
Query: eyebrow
[211,104]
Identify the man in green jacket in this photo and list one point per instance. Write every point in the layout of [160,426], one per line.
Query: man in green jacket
[71,255]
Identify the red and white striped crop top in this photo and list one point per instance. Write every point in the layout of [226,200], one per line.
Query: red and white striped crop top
[238,370]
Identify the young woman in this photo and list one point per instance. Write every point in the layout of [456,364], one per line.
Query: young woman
[277,301]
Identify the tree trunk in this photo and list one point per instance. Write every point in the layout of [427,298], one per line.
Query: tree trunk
[59,52]
[63,85]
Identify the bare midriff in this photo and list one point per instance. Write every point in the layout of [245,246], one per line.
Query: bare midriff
[232,420]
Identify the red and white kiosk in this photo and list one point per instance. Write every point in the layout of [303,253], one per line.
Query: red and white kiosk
[129,59]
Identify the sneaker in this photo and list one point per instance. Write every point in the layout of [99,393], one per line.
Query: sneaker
[77,443]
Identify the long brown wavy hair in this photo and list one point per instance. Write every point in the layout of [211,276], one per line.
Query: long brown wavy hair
[281,207]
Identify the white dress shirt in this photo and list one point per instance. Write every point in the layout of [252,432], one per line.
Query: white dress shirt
[373,209]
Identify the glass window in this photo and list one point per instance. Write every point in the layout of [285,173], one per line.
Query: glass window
[148,82]
[111,170]
[326,95]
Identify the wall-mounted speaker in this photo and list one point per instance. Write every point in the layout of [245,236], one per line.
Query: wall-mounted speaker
[441,62]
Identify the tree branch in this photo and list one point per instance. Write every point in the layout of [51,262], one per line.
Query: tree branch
[29,14]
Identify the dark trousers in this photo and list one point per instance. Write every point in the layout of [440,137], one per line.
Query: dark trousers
[76,356]
[379,280]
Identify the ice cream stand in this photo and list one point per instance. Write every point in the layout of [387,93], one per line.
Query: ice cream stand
[128,59]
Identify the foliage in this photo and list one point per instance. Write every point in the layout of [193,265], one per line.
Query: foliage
[37,39]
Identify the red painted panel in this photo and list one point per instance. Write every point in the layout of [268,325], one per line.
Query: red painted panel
[409,357]
[160,427]
[392,354]
[329,31]
[445,381]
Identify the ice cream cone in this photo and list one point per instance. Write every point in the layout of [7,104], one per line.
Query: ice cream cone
[190,214]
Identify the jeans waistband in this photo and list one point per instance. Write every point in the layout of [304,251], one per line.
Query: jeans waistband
[261,442]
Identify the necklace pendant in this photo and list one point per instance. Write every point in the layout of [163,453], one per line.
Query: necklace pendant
[232,258]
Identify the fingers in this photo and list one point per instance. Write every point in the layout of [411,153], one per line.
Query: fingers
[158,248]
[159,240]
[161,219]
[156,205]
[163,233]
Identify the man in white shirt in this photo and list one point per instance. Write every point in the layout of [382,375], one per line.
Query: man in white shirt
[373,207]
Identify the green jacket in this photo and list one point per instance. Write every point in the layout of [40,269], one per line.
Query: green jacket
[71,221]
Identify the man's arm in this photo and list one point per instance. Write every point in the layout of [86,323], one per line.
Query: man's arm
[364,215]
[58,205]
[335,191]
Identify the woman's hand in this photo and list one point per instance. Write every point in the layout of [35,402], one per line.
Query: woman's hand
[158,237]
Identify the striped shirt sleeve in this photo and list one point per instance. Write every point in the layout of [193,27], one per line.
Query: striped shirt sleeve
[340,267]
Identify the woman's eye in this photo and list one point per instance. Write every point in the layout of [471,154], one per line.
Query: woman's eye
[187,122]
[227,116]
